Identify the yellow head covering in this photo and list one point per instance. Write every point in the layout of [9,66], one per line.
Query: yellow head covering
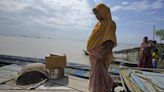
[104,29]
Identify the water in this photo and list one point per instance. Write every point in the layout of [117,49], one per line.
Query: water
[40,47]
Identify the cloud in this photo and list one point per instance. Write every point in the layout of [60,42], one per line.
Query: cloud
[116,8]
[125,3]
[158,4]
[159,19]
[14,5]
[152,12]
[57,14]
[153,21]
[139,6]
[116,18]
[139,22]
[142,23]
[98,1]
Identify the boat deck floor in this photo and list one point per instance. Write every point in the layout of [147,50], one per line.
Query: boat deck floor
[37,91]
[69,83]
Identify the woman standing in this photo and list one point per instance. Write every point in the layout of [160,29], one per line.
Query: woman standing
[143,47]
[100,44]
[145,54]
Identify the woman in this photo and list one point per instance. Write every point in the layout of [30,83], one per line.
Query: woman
[145,54]
[100,45]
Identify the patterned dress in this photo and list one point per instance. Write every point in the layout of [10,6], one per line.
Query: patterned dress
[100,79]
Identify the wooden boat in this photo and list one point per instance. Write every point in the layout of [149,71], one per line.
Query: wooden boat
[143,81]
[74,74]
[117,61]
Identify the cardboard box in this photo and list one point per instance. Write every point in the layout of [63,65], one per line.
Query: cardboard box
[57,73]
[55,61]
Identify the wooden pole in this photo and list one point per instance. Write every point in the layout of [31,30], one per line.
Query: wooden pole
[153,33]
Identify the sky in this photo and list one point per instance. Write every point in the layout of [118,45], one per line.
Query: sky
[73,19]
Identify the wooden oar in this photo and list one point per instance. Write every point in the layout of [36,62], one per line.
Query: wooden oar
[85,52]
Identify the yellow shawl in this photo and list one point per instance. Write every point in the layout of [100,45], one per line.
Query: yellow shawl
[104,29]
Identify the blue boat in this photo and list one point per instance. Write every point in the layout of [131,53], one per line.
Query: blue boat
[142,81]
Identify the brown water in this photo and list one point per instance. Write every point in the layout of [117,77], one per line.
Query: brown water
[39,48]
